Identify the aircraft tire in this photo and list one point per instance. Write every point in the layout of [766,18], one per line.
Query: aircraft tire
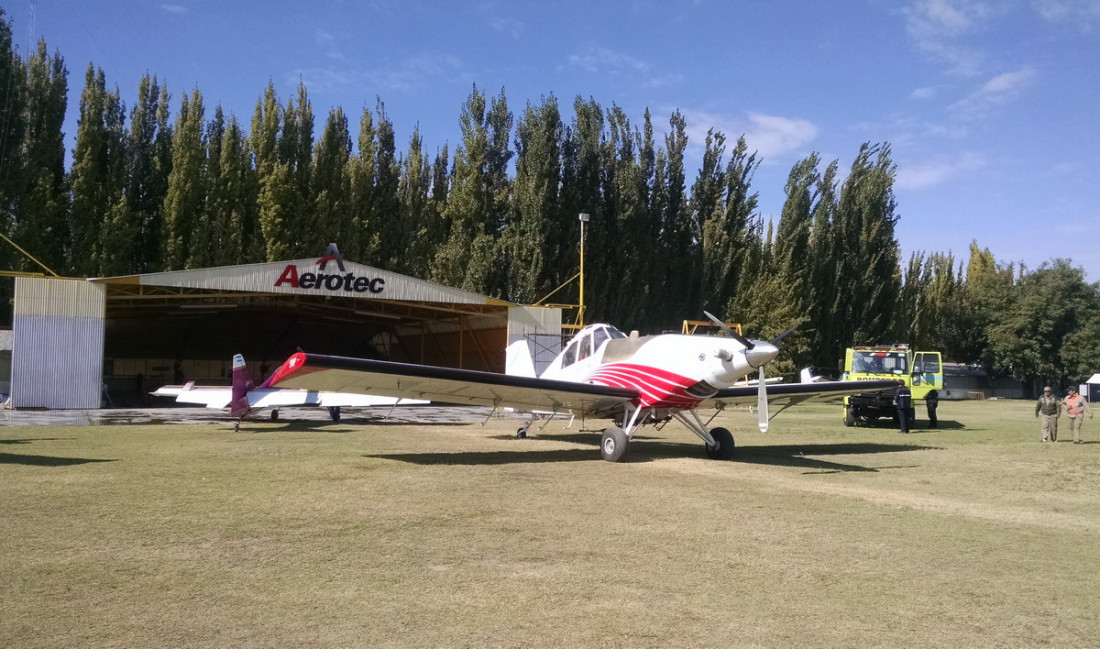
[725,448]
[521,433]
[334,413]
[614,445]
[275,415]
[849,416]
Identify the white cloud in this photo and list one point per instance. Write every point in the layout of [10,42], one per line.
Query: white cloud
[922,175]
[607,61]
[939,27]
[413,72]
[174,9]
[928,92]
[998,91]
[772,135]
[507,26]
[1081,11]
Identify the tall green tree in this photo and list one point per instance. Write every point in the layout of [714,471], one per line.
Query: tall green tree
[97,173]
[42,203]
[536,202]
[331,183]
[580,193]
[185,199]
[147,180]
[477,205]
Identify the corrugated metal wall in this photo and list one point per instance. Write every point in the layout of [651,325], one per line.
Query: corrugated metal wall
[541,326]
[58,356]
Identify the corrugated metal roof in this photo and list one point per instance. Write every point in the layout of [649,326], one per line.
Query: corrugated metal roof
[306,277]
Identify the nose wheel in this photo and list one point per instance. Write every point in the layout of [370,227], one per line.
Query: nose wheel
[723,449]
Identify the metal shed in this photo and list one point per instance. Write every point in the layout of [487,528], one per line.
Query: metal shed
[113,340]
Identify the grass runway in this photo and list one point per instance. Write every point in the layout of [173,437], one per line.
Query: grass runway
[314,534]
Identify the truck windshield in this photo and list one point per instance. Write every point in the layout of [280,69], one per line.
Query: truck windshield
[880,362]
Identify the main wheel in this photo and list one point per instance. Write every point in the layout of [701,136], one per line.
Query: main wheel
[334,413]
[724,440]
[614,445]
[521,433]
[275,415]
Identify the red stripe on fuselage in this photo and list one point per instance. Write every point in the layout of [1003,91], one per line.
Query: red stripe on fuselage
[656,388]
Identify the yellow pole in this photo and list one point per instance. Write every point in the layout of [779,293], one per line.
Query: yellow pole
[580,314]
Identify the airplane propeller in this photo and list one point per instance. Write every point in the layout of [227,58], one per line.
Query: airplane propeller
[761,385]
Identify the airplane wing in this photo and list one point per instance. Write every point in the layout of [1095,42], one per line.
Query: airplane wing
[220,396]
[791,394]
[446,385]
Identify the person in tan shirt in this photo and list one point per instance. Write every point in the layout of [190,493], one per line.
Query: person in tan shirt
[1050,408]
[1076,409]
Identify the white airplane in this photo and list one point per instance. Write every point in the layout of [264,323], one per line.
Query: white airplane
[244,397]
[602,373]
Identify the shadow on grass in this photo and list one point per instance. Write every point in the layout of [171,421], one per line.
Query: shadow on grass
[919,425]
[643,450]
[45,460]
[33,439]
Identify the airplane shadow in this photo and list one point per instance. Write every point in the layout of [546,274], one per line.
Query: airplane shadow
[46,460]
[643,450]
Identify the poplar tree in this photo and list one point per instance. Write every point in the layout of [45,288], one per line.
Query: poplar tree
[678,240]
[580,192]
[97,172]
[147,180]
[13,77]
[530,238]
[362,242]
[418,211]
[331,184]
[477,205]
[392,230]
[185,200]
[42,204]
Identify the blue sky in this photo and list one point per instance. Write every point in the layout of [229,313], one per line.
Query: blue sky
[992,108]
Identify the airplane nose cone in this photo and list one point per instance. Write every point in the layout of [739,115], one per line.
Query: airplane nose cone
[761,353]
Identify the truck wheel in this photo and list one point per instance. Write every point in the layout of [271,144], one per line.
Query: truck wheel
[849,416]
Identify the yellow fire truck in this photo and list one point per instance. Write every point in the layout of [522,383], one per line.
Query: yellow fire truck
[922,372]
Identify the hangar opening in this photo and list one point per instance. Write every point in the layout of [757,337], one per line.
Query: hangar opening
[111,341]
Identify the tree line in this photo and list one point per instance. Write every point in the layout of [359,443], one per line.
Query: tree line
[155,187]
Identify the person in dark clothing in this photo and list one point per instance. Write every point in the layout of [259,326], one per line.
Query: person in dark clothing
[903,400]
[932,401]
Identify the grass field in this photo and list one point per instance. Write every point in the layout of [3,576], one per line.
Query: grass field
[345,535]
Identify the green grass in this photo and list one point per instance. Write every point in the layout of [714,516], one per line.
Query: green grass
[342,535]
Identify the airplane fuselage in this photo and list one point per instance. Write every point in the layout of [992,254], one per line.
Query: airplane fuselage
[669,371]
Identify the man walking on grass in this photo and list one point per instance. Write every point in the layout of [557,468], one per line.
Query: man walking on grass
[1076,409]
[1050,409]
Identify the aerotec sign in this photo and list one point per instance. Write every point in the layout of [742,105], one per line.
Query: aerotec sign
[343,281]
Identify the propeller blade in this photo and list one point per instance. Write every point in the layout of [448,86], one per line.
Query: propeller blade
[783,335]
[730,332]
[762,402]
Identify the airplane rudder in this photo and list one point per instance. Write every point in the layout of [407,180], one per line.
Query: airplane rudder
[518,360]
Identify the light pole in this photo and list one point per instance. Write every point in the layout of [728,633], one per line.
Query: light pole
[583,218]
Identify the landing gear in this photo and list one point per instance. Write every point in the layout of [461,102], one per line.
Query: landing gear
[521,433]
[275,415]
[724,441]
[719,441]
[849,416]
[614,445]
[334,413]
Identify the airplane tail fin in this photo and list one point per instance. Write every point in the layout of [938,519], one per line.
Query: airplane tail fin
[242,385]
[518,360]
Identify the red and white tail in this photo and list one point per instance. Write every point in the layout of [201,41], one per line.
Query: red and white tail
[242,385]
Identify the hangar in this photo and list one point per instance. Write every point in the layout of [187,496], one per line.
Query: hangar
[81,343]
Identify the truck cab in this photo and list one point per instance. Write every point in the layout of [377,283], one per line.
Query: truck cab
[921,371]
